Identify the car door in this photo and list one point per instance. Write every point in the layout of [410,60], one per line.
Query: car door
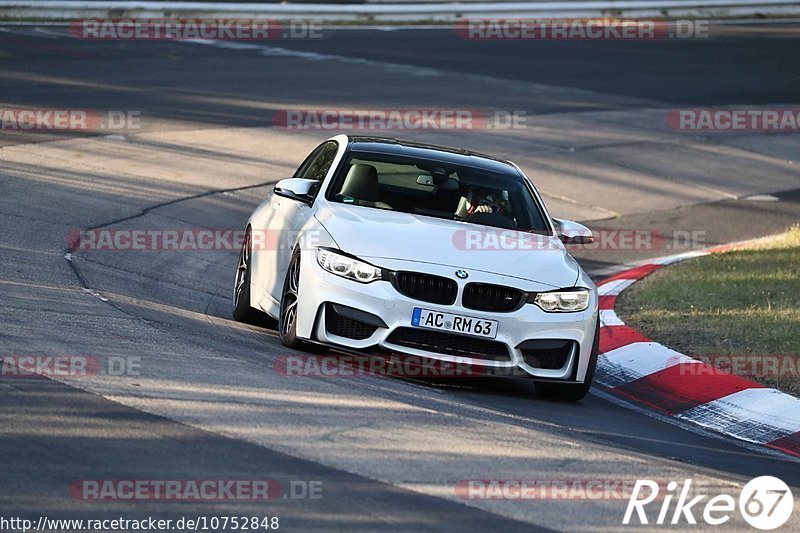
[290,216]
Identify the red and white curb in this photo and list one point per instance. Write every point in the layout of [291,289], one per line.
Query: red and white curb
[645,372]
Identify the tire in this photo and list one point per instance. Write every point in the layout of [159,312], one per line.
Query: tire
[573,391]
[242,310]
[287,321]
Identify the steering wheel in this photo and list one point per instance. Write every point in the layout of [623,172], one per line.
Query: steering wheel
[494,207]
[491,219]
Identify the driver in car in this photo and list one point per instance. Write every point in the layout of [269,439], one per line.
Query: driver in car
[479,200]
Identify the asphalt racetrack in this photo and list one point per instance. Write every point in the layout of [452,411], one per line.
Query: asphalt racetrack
[205,400]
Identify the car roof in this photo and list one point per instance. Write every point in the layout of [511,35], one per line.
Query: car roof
[420,150]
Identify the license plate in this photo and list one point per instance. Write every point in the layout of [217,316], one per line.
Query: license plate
[479,327]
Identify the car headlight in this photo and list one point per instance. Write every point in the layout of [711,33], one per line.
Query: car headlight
[563,301]
[346,266]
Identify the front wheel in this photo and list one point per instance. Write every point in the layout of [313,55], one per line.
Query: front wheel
[573,391]
[287,322]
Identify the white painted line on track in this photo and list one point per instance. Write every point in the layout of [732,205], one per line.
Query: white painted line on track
[95,294]
[395,68]
[277,51]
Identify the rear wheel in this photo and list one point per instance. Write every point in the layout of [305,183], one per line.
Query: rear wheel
[573,391]
[242,310]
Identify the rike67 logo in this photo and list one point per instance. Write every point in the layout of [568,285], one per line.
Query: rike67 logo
[765,503]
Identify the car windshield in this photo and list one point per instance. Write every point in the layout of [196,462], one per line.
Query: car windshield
[437,189]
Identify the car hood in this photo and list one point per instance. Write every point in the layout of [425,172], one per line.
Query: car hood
[372,234]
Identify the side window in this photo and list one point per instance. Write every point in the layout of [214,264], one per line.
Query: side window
[317,165]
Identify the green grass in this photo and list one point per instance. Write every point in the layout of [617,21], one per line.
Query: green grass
[745,302]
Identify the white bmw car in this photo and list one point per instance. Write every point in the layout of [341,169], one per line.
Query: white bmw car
[414,249]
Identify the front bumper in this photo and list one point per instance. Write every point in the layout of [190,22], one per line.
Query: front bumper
[394,310]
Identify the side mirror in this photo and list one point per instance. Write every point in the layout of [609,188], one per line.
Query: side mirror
[573,233]
[298,189]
